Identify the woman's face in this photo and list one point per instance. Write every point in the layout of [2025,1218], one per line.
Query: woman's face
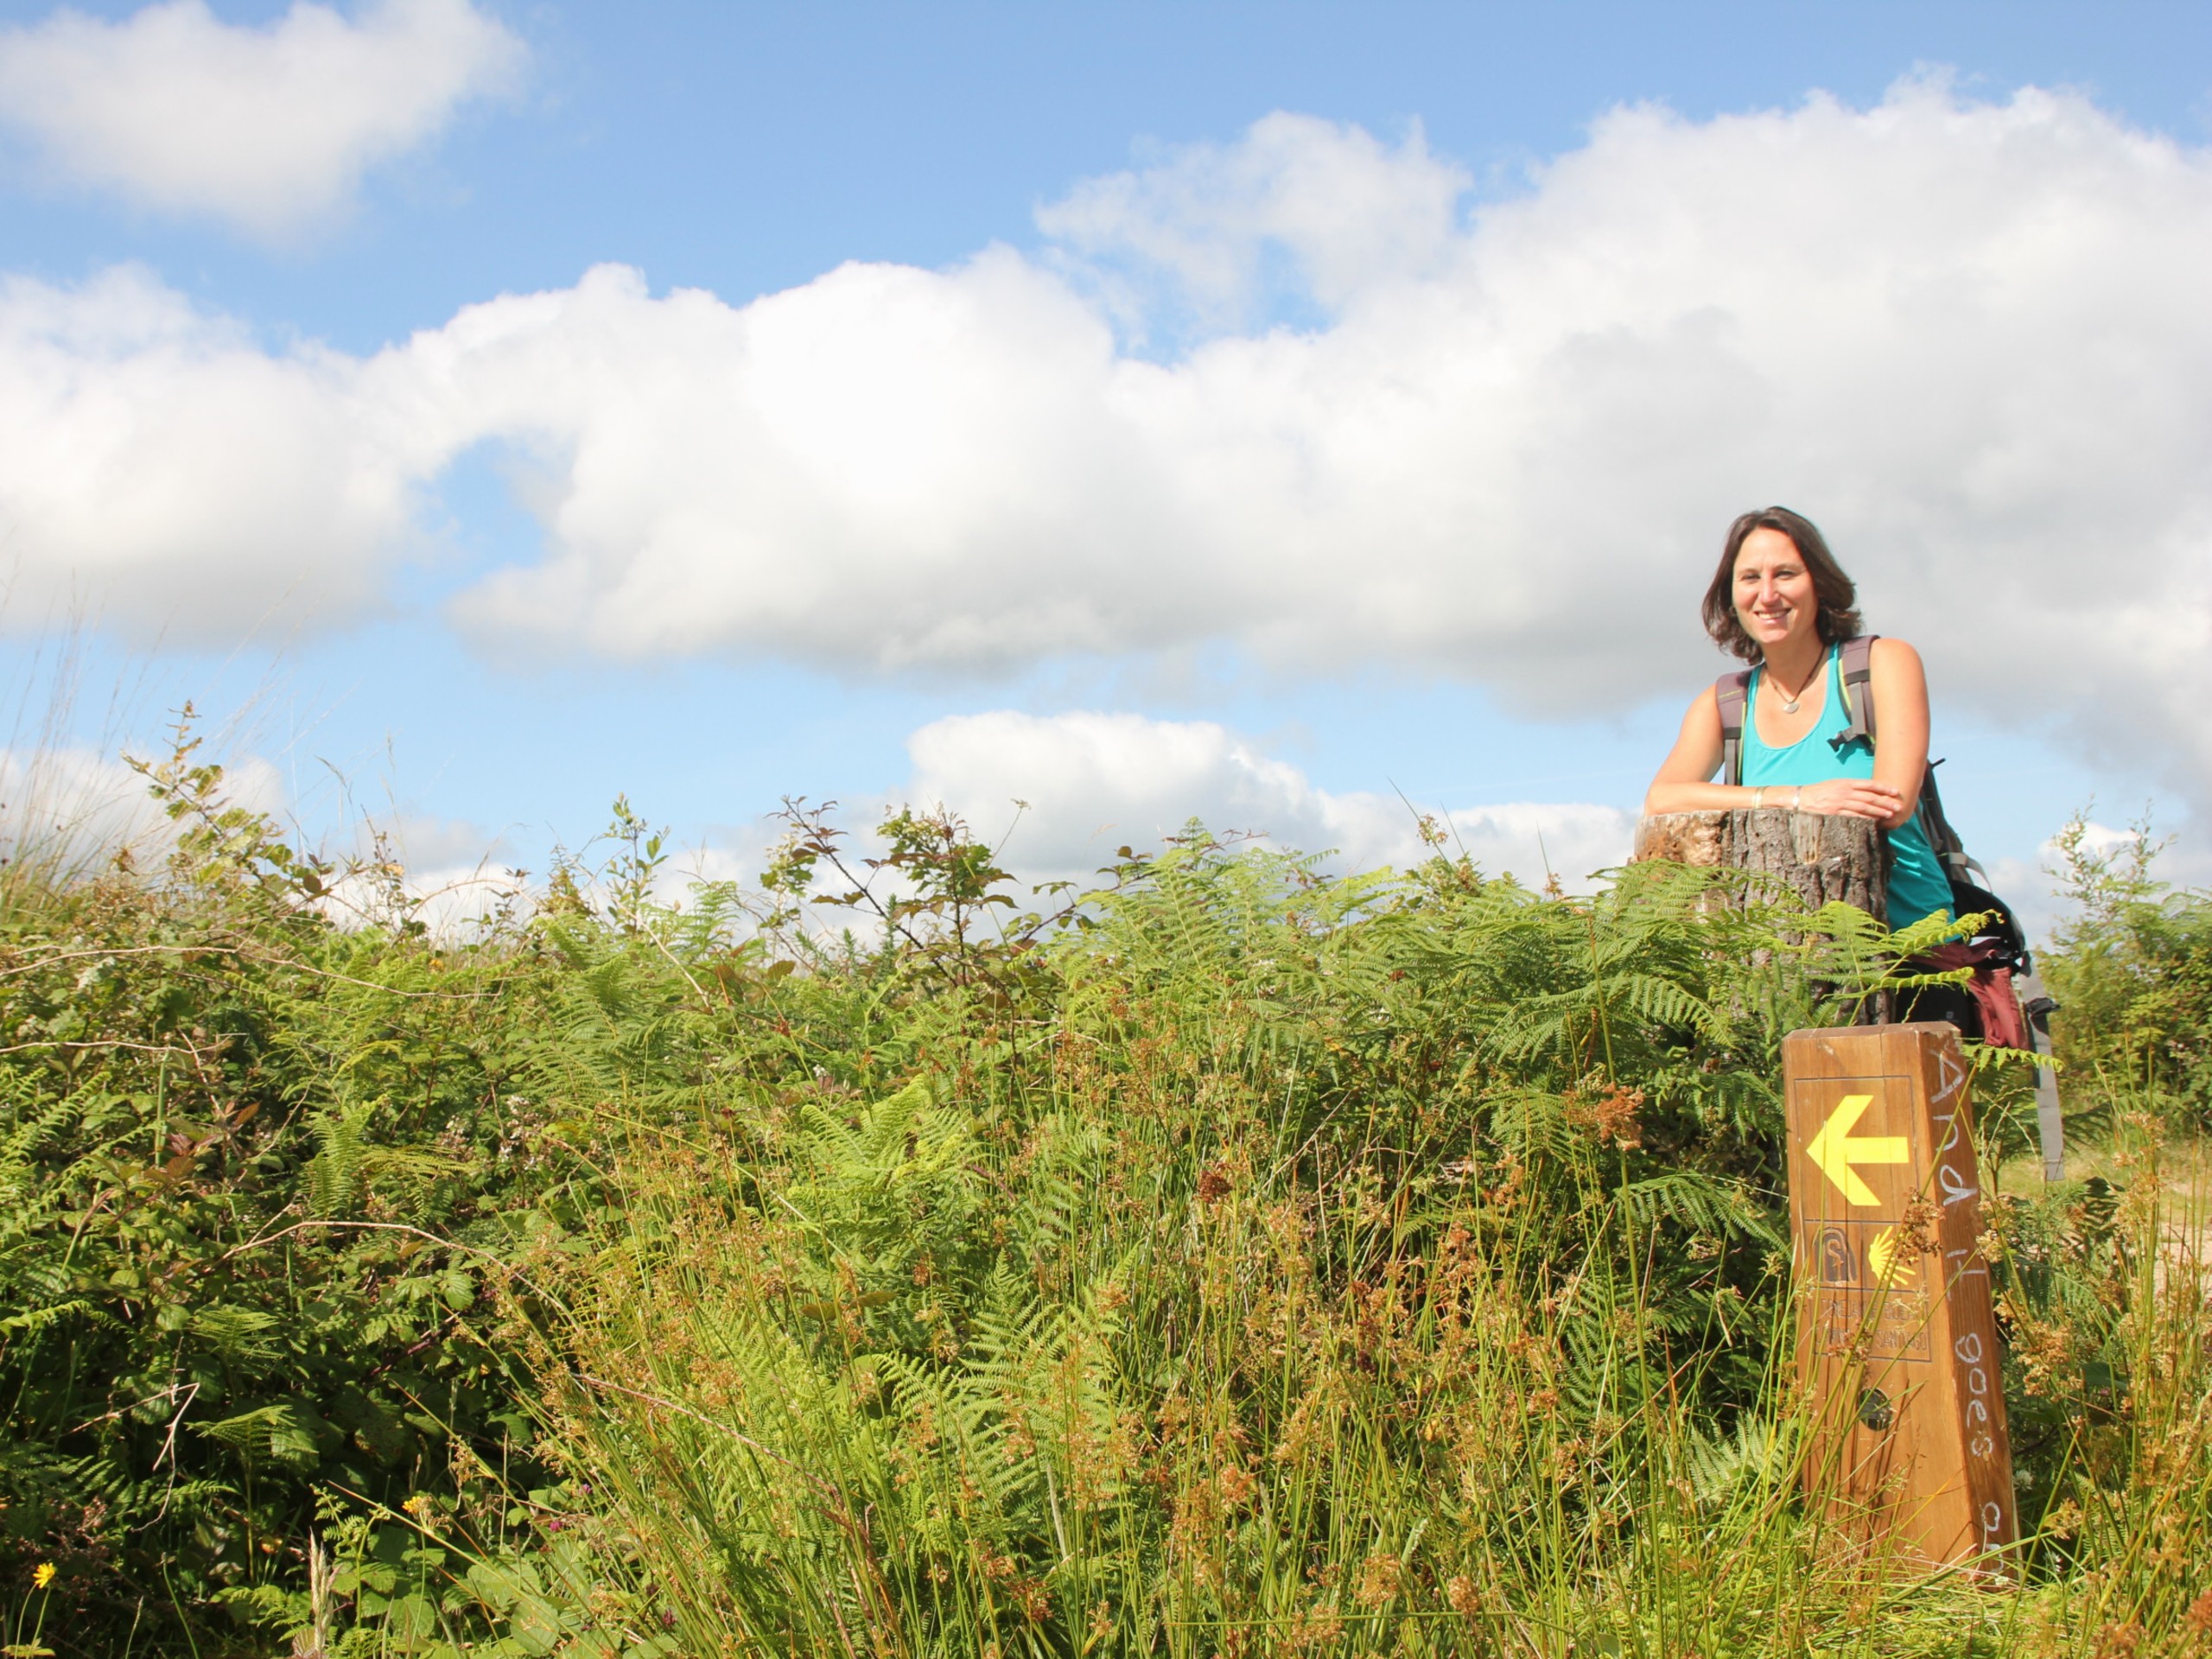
[1774,600]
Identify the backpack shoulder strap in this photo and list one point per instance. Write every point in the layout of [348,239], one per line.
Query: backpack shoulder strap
[1856,664]
[1950,851]
[1730,691]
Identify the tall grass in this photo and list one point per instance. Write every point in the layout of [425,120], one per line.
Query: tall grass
[1348,1267]
[1248,1262]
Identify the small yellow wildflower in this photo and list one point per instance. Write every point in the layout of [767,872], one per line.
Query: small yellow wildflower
[42,1574]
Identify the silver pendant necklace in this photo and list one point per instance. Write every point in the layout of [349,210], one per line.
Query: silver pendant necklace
[1790,703]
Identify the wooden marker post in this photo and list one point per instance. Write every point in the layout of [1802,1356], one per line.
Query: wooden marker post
[1896,1333]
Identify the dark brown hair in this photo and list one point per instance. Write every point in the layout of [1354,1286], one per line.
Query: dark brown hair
[1837,617]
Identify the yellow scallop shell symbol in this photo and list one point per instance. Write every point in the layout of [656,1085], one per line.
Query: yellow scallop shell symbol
[1888,1259]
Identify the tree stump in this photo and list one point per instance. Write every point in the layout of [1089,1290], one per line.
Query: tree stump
[1823,857]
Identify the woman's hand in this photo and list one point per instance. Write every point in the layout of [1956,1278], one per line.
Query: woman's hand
[1850,797]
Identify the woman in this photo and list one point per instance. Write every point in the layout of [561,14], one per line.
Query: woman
[1780,602]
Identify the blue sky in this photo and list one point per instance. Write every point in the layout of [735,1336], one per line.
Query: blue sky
[1115,486]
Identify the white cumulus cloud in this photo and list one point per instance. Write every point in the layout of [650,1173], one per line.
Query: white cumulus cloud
[1965,336]
[270,129]
[158,464]
[1349,211]
[1090,783]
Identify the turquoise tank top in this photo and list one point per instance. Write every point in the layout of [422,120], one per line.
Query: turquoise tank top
[1918,888]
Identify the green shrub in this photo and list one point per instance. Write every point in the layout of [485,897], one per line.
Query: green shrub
[2132,973]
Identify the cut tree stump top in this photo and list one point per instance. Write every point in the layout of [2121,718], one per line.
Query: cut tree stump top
[1823,857]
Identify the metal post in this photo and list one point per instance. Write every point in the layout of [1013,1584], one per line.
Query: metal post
[2051,1124]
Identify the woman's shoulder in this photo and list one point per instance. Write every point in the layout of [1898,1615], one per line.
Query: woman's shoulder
[1888,653]
[1705,708]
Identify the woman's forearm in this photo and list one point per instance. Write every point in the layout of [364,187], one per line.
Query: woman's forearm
[1717,798]
[1857,797]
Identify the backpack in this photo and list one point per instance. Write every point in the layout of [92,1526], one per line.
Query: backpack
[2000,949]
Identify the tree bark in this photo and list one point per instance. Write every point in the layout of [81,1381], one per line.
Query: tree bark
[1823,857]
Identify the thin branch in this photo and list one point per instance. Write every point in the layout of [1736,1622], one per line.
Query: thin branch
[105,1042]
[169,1393]
[365,984]
[123,951]
[704,1000]
[168,1445]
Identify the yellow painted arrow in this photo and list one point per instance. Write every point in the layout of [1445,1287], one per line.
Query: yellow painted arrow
[1833,1150]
